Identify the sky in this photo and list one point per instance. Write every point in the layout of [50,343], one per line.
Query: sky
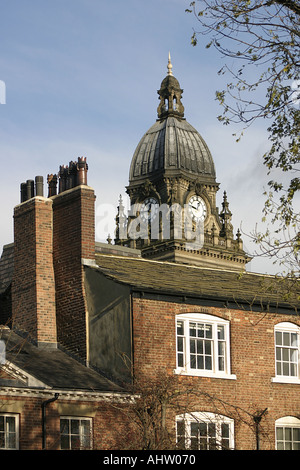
[81,79]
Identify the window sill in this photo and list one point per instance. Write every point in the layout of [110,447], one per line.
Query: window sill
[286,380]
[201,373]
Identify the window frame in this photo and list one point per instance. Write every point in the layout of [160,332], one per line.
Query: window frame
[6,431]
[206,418]
[287,327]
[284,423]
[69,433]
[214,321]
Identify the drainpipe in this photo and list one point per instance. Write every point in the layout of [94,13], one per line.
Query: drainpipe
[44,404]
[257,419]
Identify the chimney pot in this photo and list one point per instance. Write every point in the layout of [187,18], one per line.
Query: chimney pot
[39,186]
[23,192]
[62,174]
[52,185]
[71,179]
[82,168]
[30,189]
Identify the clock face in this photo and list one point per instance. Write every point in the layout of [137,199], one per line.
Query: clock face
[197,208]
[149,208]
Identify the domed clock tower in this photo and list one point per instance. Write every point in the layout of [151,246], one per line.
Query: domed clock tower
[172,189]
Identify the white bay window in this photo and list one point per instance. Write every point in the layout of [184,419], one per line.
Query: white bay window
[203,346]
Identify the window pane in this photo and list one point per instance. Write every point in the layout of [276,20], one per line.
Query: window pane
[11,441]
[288,446]
[75,442]
[194,429]
[207,345]
[221,332]
[296,434]
[203,429]
[279,434]
[278,368]
[286,339]
[225,429]
[294,355]
[192,329]
[285,355]
[221,348]
[86,434]
[85,441]
[278,338]
[200,362]
[208,331]
[64,426]
[211,429]
[294,340]
[208,363]
[225,442]
[221,363]
[285,369]
[64,442]
[1,423]
[180,344]
[200,346]
[288,434]
[201,330]
[11,423]
[278,354]
[74,426]
[293,370]
[221,355]
[180,330]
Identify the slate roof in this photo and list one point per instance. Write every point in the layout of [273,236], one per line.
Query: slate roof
[186,280]
[52,367]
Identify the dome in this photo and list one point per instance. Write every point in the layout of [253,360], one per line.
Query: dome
[170,81]
[171,146]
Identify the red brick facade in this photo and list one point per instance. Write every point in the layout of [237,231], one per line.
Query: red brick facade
[252,350]
[28,411]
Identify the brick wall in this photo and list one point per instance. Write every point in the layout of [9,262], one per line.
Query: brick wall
[105,436]
[252,352]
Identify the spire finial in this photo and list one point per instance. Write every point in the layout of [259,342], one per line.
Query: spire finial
[170,66]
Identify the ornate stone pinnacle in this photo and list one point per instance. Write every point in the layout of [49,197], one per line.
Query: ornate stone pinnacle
[170,66]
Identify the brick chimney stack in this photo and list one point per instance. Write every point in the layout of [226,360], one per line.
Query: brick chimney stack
[52,236]
[33,286]
[73,241]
